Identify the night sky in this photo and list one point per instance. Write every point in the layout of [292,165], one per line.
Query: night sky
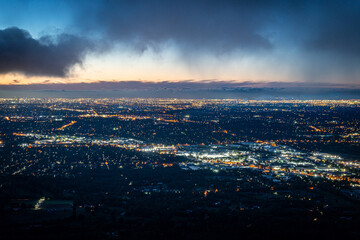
[217,42]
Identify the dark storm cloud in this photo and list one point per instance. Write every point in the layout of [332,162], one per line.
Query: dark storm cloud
[320,26]
[47,56]
[218,26]
[337,28]
[329,39]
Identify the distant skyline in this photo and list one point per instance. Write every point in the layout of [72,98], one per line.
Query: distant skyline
[209,43]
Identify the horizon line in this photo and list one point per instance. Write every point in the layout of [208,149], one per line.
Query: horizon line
[180,84]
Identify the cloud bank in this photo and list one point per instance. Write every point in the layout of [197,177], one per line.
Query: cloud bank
[47,56]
